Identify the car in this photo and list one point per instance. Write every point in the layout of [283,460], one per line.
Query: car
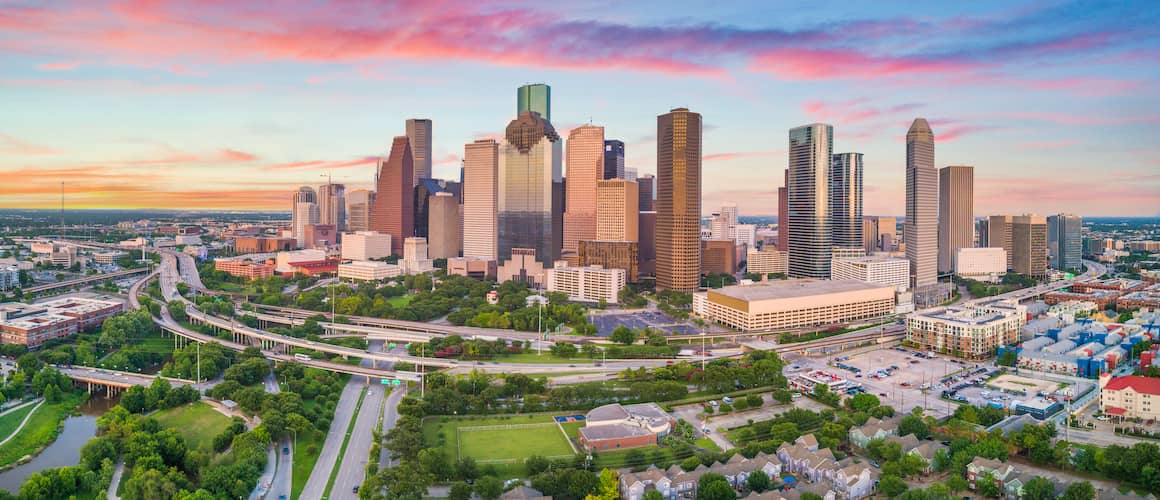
[882,394]
[858,375]
[1103,418]
[874,463]
[355,489]
[796,395]
[713,402]
[285,450]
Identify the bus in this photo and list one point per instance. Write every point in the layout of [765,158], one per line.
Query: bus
[302,357]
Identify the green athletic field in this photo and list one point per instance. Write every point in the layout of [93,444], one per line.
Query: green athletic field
[497,440]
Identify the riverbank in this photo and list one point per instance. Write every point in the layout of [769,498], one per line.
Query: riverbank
[40,431]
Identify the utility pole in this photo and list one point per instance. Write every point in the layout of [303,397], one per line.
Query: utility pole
[422,373]
[199,362]
[540,327]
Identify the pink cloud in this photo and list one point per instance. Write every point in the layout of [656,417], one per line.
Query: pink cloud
[855,111]
[1081,120]
[1047,144]
[14,146]
[322,165]
[830,64]
[447,159]
[58,66]
[738,155]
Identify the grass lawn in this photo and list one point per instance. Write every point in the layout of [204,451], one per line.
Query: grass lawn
[11,421]
[572,429]
[658,455]
[505,448]
[42,428]
[306,450]
[543,359]
[198,423]
[400,301]
[707,444]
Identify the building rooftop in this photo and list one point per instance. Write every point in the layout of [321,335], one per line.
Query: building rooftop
[1143,385]
[971,314]
[788,289]
[602,432]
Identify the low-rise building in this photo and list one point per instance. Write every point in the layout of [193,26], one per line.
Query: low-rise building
[610,255]
[974,330]
[614,427]
[774,305]
[718,256]
[34,324]
[368,270]
[366,245]
[109,257]
[472,267]
[983,264]
[524,267]
[873,269]
[244,267]
[1141,298]
[9,277]
[871,430]
[258,244]
[767,261]
[1000,472]
[587,284]
[1130,396]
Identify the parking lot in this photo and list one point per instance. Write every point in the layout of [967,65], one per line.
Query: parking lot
[606,323]
[896,375]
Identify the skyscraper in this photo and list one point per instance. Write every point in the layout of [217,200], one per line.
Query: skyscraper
[585,156]
[783,214]
[646,186]
[332,205]
[305,212]
[1029,242]
[956,213]
[530,169]
[811,149]
[617,212]
[999,235]
[393,209]
[678,224]
[419,135]
[729,214]
[846,200]
[480,199]
[535,97]
[443,226]
[613,160]
[921,228]
[422,200]
[1065,241]
[358,210]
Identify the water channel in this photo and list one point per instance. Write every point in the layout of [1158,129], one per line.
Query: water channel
[66,450]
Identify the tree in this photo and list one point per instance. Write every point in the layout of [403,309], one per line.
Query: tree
[653,495]
[957,483]
[716,490]
[757,481]
[623,335]
[806,495]
[782,396]
[913,424]
[1081,490]
[891,486]
[608,488]
[403,482]
[460,491]
[754,400]
[488,487]
[987,486]
[863,402]
[1008,358]
[1038,488]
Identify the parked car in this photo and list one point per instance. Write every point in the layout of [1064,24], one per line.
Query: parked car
[285,450]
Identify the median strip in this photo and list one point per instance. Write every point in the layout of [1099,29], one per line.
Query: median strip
[345,442]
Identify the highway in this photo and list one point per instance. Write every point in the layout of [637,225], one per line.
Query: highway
[352,469]
[97,278]
[328,456]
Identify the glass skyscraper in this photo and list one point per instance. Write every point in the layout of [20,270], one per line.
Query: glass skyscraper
[530,167]
[846,200]
[614,160]
[535,97]
[921,227]
[678,205]
[1064,241]
[811,150]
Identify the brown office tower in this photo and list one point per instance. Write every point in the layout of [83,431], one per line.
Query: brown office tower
[443,226]
[999,235]
[611,255]
[678,226]
[647,250]
[617,215]
[646,184]
[393,195]
[718,257]
[783,215]
[1029,242]
[584,156]
[321,236]
[956,213]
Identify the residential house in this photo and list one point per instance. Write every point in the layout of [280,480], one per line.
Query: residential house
[675,483]
[855,480]
[907,442]
[523,493]
[873,429]
[980,466]
[928,450]
[1013,487]
[634,485]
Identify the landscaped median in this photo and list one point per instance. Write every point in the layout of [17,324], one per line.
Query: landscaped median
[345,441]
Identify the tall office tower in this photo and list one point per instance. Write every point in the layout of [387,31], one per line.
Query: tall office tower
[443,226]
[614,160]
[393,211]
[718,228]
[646,227]
[981,233]
[729,214]
[870,234]
[999,235]
[535,97]
[1029,241]
[529,175]
[646,186]
[585,157]
[783,214]
[358,210]
[419,135]
[481,199]
[956,213]
[332,205]
[921,228]
[811,150]
[422,200]
[678,224]
[1065,241]
[617,210]
[846,200]
[305,212]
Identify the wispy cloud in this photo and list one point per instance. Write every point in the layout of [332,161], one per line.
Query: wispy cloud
[739,155]
[14,146]
[322,165]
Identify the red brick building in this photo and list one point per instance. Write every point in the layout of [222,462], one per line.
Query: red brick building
[34,324]
[615,427]
[245,268]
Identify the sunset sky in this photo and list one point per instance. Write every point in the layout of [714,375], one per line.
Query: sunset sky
[220,105]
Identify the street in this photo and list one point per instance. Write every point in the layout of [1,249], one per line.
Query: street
[718,423]
[330,448]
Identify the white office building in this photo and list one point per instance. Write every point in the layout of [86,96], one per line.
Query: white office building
[587,284]
[766,261]
[745,234]
[365,245]
[874,269]
[415,259]
[983,264]
[365,270]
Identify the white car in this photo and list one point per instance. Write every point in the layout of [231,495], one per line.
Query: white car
[1103,418]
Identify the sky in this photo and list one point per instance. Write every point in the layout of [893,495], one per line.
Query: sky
[232,105]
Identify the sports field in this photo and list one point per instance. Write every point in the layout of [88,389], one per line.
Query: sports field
[497,440]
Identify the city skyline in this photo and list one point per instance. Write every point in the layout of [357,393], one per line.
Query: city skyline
[239,119]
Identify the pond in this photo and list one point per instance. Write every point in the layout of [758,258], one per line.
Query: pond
[66,450]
